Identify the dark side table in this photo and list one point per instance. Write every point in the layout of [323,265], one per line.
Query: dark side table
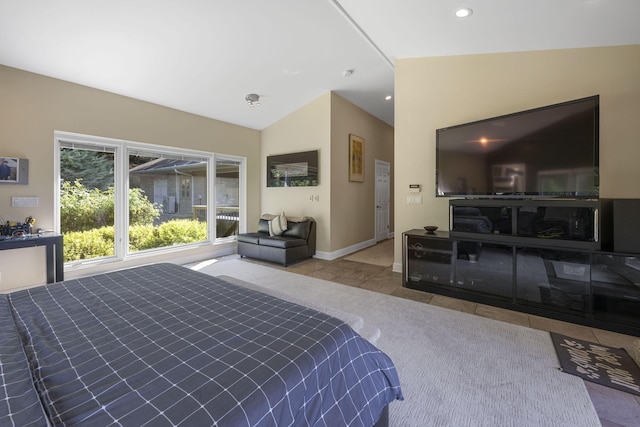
[53,246]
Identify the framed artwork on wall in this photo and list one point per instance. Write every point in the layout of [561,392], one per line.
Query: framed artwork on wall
[293,170]
[356,158]
[13,170]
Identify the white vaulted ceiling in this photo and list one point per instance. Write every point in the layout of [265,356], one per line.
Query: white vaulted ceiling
[205,56]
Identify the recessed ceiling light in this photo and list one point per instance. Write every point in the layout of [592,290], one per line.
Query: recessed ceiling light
[348,73]
[463,12]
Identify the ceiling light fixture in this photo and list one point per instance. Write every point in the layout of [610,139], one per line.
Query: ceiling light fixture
[253,99]
[388,98]
[463,12]
[347,73]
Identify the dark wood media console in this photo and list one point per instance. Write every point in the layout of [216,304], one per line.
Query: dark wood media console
[550,258]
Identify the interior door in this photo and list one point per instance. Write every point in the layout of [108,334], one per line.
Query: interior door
[383,178]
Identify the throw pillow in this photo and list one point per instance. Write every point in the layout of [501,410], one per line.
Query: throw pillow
[278,225]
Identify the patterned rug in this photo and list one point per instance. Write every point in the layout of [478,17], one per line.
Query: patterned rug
[608,366]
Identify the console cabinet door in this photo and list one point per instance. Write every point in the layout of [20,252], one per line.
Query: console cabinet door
[429,260]
[571,224]
[485,268]
[615,287]
[554,279]
[567,223]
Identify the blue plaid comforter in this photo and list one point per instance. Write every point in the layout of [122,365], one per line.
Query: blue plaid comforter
[162,345]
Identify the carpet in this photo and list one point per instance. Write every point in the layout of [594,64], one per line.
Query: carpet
[369,332]
[456,369]
[379,254]
[608,366]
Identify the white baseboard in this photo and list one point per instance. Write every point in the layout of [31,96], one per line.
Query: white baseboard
[396,267]
[330,256]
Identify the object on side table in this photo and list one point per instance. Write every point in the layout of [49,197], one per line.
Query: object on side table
[17,229]
[431,228]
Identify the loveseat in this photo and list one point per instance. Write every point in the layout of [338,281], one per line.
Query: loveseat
[280,239]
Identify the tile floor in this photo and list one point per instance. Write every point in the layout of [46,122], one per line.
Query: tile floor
[615,408]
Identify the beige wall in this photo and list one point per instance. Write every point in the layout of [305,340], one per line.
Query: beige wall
[436,92]
[344,210]
[353,203]
[32,107]
[303,130]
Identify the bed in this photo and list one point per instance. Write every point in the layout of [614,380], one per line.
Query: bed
[162,345]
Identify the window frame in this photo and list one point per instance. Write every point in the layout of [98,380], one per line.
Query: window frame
[122,149]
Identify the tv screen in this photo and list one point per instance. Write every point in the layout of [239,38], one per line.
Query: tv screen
[545,152]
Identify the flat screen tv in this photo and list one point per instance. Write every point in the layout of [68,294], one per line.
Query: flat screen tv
[550,151]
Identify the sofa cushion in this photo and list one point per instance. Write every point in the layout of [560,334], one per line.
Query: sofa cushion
[251,237]
[263,226]
[278,225]
[298,229]
[282,242]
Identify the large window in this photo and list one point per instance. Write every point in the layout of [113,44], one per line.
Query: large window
[120,198]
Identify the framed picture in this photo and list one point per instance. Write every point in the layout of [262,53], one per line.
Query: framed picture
[9,170]
[293,170]
[356,158]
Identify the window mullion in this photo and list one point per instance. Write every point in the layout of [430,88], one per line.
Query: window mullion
[122,203]
[242,199]
[211,198]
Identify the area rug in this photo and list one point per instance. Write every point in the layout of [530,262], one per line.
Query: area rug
[357,323]
[456,369]
[379,254]
[608,366]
